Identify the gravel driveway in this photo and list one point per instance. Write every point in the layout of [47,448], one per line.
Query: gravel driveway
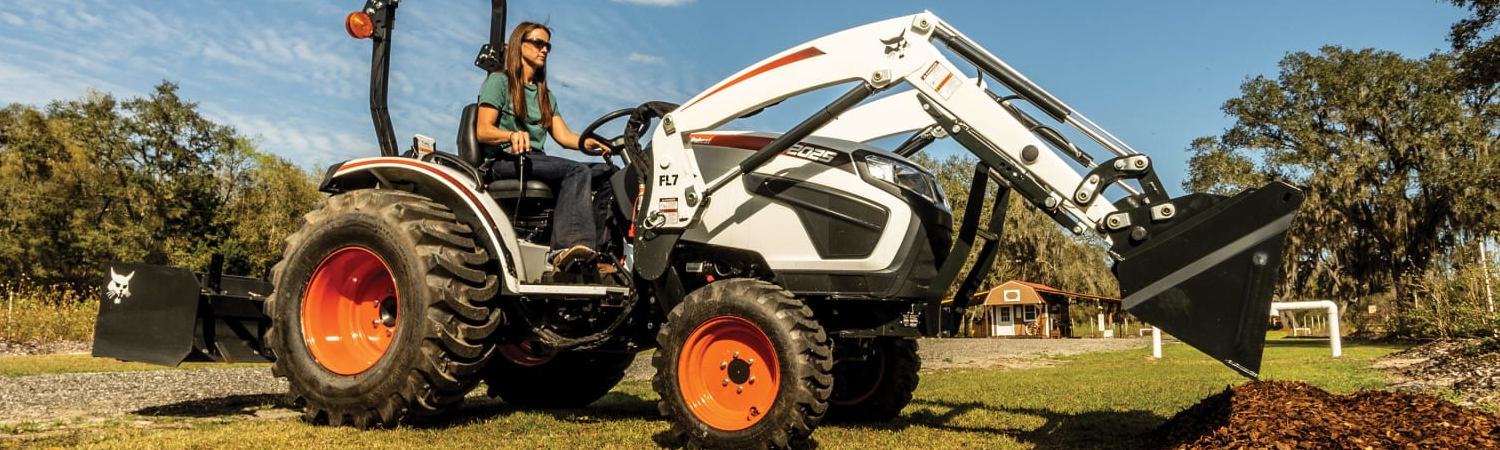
[243,390]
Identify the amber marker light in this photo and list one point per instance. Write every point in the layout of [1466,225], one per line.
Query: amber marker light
[359,25]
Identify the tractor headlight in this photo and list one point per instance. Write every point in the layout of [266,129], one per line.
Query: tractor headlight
[905,176]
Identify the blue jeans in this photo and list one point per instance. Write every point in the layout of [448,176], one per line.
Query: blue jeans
[573,221]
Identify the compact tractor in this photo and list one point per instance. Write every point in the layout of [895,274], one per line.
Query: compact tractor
[781,278]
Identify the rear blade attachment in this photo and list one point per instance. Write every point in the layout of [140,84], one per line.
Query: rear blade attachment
[167,315]
[1205,270]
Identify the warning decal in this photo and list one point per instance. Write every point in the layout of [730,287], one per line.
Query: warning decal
[940,79]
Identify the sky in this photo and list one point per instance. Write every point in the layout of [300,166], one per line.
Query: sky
[284,72]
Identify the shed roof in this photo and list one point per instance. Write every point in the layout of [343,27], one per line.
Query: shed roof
[1025,292]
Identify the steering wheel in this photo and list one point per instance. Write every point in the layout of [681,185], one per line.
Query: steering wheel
[615,144]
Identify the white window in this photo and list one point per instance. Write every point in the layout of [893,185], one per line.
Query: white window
[1028,313]
[1004,314]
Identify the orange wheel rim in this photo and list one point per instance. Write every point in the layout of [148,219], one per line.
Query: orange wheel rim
[728,373]
[349,311]
[521,354]
[853,394]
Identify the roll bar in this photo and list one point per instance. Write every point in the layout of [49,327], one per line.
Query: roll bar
[383,14]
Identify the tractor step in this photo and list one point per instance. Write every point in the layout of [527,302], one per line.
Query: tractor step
[573,290]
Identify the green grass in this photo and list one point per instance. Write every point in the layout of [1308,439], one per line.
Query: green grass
[34,313]
[1101,400]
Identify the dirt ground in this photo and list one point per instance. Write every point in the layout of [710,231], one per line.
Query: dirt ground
[98,396]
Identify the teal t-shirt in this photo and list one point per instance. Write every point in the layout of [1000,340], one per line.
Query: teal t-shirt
[495,93]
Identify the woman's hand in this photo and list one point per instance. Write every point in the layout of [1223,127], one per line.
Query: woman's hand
[520,142]
[594,144]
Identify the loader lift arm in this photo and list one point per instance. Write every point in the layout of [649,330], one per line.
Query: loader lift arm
[1179,261]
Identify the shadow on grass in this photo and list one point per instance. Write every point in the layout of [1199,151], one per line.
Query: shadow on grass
[1298,342]
[1060,430]
[234,405]
[613,406]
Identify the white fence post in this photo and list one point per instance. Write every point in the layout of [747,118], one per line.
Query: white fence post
[1334,340]
[1155,342]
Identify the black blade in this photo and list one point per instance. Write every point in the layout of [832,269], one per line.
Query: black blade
[147,314]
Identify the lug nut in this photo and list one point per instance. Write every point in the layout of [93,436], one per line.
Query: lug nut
[739,390]
[726,382]
[751,380]
[750,361]
[723,364]
[736,355]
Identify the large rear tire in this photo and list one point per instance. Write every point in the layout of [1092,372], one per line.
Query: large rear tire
[564,380]
[382,310]
[877,387]
[742,363]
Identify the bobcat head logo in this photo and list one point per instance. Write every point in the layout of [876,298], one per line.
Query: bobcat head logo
[119,286]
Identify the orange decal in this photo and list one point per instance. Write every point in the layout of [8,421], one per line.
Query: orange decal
[788,59]
[945,81]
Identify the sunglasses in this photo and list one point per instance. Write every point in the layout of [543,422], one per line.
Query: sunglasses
[540,44]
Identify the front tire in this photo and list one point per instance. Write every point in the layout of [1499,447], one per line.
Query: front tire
[381,310]
[742,363]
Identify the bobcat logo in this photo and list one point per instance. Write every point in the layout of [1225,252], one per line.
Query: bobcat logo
[896,45]
[119,286]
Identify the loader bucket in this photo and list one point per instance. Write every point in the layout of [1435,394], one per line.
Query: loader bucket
[1207,276]
[166,315]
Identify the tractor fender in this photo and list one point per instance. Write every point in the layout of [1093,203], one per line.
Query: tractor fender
[452,188]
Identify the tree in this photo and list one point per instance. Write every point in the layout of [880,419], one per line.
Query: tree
[263,209]
[1389,150]
[1479,56]
[94,180]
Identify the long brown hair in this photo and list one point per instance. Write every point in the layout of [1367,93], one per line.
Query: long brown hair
[539,77]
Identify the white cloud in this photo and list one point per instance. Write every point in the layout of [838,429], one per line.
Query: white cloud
[643,58]
[303,142]
[27,85]
[11,19]
[656,2]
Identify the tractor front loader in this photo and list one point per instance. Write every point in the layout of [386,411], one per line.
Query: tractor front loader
[782,278]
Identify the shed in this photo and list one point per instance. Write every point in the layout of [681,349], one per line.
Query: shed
[1021,308]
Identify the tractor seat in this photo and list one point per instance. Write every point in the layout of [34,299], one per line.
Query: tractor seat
[510,189]
[470,152]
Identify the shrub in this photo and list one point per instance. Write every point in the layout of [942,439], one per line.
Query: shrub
[36,314]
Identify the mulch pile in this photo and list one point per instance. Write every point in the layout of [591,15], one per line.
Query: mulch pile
[1293,415]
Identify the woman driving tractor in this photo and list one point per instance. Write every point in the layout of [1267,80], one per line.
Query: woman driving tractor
[517,109]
